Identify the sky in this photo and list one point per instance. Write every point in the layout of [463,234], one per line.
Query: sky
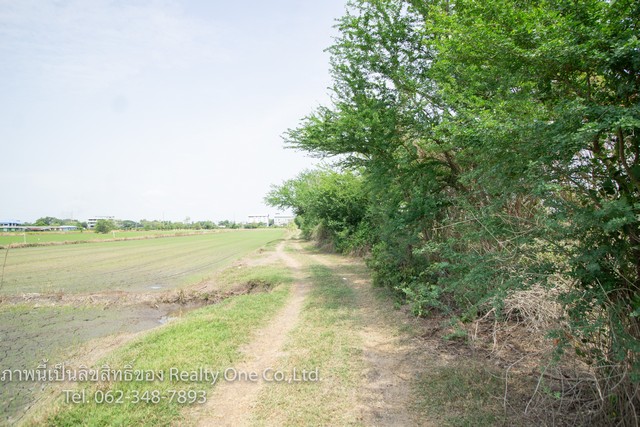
[156,109]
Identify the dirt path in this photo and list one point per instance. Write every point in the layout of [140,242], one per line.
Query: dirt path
[391,366]
[230,403]
[392,358]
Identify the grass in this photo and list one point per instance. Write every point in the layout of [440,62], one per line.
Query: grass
[207,338]
[134,265]
[30,333]
[260,276]
[44,237]
[460,394]
[324,340]
[456,392]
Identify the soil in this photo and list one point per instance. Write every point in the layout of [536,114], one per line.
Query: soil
[230,403]
[57,328]
[393,359]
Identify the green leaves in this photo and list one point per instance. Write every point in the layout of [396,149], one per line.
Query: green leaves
[496,145]
[326,201]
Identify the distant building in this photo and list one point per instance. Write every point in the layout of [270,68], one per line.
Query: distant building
[91,222]
[277,220]
[11,225]
[280,220]
[258,219]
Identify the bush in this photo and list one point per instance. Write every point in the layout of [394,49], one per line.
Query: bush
[104,226]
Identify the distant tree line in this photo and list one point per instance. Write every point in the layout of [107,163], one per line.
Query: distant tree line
[481,147]
[105,226]
[52,221]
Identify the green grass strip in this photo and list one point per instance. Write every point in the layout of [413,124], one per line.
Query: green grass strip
[208,338]
[324,339]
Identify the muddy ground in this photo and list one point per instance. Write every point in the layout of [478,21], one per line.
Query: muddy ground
[31,334]
[61,328]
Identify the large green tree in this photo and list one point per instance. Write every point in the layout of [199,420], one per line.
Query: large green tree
[497,143]
[48,220]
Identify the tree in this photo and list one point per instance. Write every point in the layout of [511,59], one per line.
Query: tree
[228,224]
[48,220]
[129,225]
[556,91]
[104,226]
[490,138]
[329,205]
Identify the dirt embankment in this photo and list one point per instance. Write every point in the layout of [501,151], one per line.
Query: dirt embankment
[231,402]
[79,329]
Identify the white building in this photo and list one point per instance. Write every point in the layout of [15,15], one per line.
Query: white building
[258,219]
[277,220]
[280,220]
[91,222]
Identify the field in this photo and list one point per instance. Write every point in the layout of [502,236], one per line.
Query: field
[319,315]
[255,303]
[51,304]
[150,265]
[44,237]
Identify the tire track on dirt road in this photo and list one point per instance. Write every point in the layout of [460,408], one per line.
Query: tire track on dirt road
[230,403]
[393,360]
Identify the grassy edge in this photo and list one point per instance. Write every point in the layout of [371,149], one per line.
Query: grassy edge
[445,391]
[454,392]
[207,338]
[323,340]
[460,393]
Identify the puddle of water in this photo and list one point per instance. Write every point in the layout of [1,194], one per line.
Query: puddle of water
[166,319]
[176,311]
[155,287]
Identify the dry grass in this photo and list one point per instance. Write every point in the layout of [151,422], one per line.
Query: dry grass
[538,307]
[541,384]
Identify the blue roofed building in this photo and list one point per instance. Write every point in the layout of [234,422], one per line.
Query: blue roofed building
[11,225]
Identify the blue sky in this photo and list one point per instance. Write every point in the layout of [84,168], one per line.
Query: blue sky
[152,109]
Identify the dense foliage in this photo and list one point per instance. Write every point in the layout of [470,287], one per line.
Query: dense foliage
[104,226]
[329,206]
[496,145]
